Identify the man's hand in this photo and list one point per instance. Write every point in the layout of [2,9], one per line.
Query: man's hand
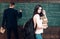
[20,11]
[2,30]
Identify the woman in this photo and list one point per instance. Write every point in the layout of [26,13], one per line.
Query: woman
[37,18]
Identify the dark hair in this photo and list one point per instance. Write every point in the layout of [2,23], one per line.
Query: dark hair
[36,9]
[12,3]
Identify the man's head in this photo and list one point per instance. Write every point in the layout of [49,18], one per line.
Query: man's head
[12,5]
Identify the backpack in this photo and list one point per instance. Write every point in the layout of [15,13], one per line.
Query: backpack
[29,29]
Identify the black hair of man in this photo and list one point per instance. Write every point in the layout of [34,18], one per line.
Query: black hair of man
[12,3]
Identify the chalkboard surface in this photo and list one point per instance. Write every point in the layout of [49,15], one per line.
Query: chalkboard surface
[52,12]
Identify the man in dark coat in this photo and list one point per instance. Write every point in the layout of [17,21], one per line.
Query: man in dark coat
[10,16]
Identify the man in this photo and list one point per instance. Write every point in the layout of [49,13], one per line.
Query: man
[10,16]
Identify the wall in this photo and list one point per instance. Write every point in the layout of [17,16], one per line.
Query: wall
[52,12]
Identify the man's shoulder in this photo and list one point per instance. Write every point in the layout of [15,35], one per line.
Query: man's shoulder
[6,9]
[10,9]
[14,9]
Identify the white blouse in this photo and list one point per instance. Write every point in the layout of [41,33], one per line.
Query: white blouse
[38,21]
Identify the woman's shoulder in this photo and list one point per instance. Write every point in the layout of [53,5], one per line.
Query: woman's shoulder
[36,15]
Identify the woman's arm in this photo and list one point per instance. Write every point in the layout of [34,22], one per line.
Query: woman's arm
[45,17]
[38,21]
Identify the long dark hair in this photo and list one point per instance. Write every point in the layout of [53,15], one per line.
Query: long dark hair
[36,9]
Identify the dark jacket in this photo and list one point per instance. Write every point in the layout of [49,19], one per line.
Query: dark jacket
[10,16]
[29,30]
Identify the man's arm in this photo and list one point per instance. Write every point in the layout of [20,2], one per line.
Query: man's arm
[19,14]
[4,19]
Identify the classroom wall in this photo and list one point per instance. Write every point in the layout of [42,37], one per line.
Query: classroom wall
[52,12]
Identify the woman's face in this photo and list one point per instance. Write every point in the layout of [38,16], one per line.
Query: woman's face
[39,9]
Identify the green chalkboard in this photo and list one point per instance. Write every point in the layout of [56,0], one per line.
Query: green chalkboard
[52,12]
